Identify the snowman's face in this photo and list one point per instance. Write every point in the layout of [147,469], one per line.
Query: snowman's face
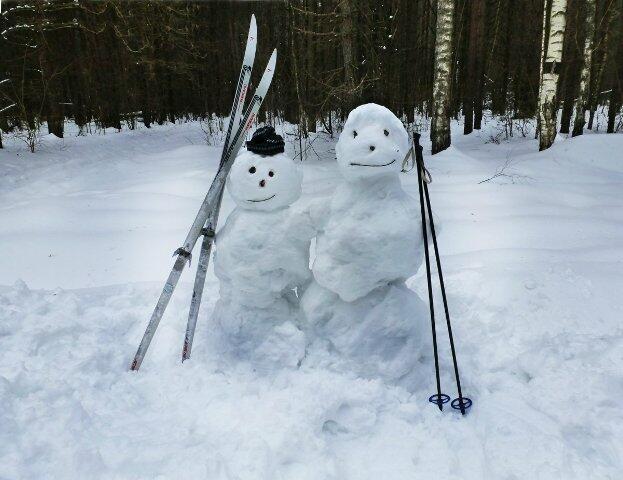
[258,182]
[373,143]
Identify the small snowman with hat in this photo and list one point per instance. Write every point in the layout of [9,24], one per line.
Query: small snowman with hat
[262,259]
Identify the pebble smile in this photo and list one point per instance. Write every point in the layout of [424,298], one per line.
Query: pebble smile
[265,199]
[368,165]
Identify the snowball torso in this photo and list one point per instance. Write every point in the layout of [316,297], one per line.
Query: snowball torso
[371,238]
[259,255]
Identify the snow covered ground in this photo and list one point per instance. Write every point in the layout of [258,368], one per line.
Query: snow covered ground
[532,260]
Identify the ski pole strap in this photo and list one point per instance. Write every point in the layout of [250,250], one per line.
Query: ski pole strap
[418,158]
[408,160]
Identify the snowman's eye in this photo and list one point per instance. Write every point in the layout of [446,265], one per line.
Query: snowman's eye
[252,170]
[354,133]
[271,173]
[386,133]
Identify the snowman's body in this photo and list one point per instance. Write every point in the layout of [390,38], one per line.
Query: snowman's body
[262,256]
[370,243]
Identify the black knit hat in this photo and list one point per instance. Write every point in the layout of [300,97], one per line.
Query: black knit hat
[266,142]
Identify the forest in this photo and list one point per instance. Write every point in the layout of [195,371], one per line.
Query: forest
[117,64]
[391,251]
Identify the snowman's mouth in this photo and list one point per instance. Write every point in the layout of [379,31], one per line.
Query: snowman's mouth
[263,200]
[372,165]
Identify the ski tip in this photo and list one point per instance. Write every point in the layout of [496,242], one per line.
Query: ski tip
[273,59]
[253,26]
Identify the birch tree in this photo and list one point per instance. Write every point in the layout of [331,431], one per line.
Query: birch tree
[553,35]
[440,125]
[581,101]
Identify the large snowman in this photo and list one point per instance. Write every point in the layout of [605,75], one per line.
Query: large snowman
[358,307]
[262,259]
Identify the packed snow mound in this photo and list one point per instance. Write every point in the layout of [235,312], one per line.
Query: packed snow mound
[532,263]
[265,338]
[379,335]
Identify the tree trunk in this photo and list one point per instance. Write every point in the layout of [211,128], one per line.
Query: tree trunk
[543,48]
[51,87]
[616,95]
[581,101]
[567,110]
[610,38]
[473,95]
[440,125]
[479,76]
[348,51]
[302,118]
[571,58]
[554,18]
[614,108]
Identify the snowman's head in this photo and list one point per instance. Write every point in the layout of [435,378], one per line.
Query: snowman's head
[373,143]
[259,182]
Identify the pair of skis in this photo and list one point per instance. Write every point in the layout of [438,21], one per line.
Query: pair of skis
[207,218]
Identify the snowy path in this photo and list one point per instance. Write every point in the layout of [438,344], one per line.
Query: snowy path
[533,266]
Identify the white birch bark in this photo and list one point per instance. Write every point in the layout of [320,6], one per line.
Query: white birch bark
[440,125]
[585,77]
[551,65]
[543,37]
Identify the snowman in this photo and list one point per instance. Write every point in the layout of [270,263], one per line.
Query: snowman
[262,259]
[358,308]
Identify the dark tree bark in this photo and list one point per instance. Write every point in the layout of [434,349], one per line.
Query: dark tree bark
[473,80]
[126,62]
[571,52]
[616,93]
[585,76]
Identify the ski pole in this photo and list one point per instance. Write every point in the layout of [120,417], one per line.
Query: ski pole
[439,398]
[460,403]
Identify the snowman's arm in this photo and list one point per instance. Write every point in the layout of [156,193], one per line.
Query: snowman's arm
[318,211]
[307,220]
